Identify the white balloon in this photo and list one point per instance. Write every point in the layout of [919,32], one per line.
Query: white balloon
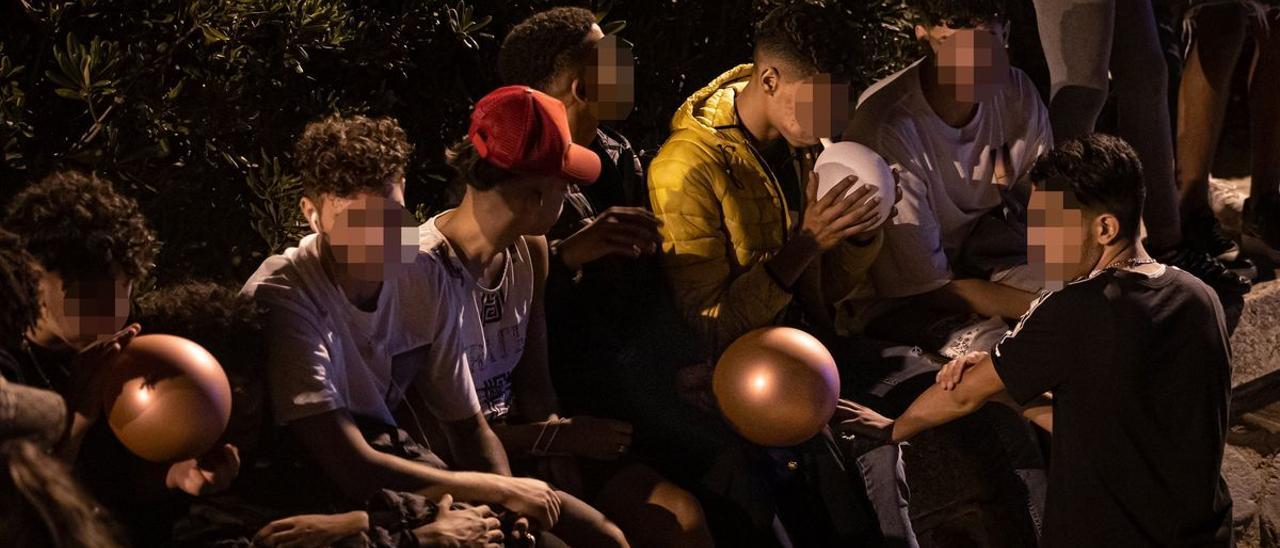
[840,160]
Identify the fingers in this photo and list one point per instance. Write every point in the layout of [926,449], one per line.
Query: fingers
[445,505]
[837,192]
[555,503]
[811,190]
[636,215]
[263,535]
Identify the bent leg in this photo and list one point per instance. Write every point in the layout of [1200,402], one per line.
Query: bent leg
[653,511]
[1076,37]
[584,526]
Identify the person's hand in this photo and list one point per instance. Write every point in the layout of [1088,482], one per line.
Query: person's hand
[472,527]
[859,420]
[951,373]
[621,231]
[593,438]
[526,497]
[897,194]
[312,530]
[213,472]
[89,371]
[837,217]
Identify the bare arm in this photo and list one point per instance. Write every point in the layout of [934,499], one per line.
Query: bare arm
[938,406]
[980,296]
[476,447]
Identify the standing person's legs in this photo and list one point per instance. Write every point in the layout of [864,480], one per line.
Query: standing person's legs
[1076,37]
[1217,39]
[1262,217]
[1141,80]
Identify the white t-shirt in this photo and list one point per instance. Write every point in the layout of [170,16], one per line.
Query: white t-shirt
[326,354]
[949,175]
[495,320]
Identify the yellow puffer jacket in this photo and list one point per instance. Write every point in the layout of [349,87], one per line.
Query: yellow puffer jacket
[723,214]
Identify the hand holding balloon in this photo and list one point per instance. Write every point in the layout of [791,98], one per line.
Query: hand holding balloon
[212,473]
[167,398]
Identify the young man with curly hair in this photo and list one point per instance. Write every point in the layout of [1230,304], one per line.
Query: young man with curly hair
[90,245]
[355,320]
[747,243]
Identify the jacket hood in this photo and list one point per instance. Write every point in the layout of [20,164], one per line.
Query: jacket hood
[712,106]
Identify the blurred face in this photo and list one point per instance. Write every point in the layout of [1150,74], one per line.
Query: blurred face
[972,63]
[534,203]
[369,236]
[809,109]
[80,312]
[611,79]
[1060,243]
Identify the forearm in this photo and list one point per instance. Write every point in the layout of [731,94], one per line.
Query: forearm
[792,260]
[982,297]
[933,408]
[520,440]
[480,450]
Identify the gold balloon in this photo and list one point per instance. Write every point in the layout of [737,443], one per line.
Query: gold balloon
[167,399]
[777,386]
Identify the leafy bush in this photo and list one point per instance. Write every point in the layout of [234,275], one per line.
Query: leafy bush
[191,106]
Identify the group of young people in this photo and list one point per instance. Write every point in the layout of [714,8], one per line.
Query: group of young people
[533,365]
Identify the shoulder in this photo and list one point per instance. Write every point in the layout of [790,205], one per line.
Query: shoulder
[686,152]
[288,278]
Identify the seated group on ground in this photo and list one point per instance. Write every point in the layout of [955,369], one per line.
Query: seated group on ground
[533,365]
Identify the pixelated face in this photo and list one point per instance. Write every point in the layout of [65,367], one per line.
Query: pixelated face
[370,236]
[813,108]
[972,63]
[611,80]
[1059,243]
[81,312]
[534,202]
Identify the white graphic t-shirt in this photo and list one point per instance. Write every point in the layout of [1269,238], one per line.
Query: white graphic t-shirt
[494,320]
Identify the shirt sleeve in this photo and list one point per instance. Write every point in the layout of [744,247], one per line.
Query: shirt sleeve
[300,370]
[1042,350]
[445,380]
[912,260]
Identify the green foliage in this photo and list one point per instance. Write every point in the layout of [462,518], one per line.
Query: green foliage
[192,106]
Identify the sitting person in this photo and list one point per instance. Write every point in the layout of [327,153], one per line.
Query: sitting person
[748,244]
[90,245]
[496,261]
[1139,415]
[614,343]
[276,500]
[355,318]
[963,128]
[26,412]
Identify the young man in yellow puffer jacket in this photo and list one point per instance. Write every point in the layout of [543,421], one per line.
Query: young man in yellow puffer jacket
[735,245]
[745,242]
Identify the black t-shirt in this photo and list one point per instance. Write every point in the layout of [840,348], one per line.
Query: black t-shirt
[1140,371]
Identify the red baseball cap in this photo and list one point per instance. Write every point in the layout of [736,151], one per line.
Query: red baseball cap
[525,131]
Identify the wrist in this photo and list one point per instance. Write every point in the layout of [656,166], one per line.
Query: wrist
[357,521]
[804,245]
[565,257]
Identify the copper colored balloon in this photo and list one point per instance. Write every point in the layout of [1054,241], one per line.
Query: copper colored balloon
[167,399]
[777,386]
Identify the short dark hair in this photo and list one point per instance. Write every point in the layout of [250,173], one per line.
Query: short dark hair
[232,327]
[807,37]
[1101,172]
[348,155]
[20,307]
[544,45]
[76,225]
[227,324]
[472,169]
[960,14]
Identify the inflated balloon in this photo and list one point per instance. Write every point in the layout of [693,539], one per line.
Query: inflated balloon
[840,160]
[167,398]
[777,386]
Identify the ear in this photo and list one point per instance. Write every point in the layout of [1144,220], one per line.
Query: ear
[922,33]
[1106,229]
[311,212]
[579,89]
[770,79]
